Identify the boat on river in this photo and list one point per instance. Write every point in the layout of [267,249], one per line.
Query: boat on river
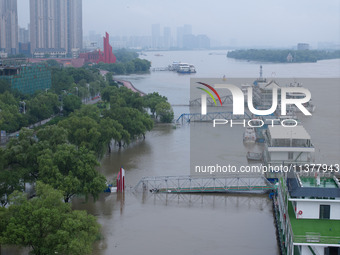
[180,67]
[254,156]
[249,135]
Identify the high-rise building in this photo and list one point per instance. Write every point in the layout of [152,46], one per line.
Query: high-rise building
[156,35]
[23,35]
[184,31]
[187,29]
[56,24]
[167,37]
[302,46]
[8,26]
[203,42]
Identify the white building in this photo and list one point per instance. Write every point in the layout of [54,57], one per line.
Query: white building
[308,205]
[288,145]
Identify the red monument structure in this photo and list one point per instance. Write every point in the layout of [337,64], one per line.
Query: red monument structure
[106,56]
[121,180]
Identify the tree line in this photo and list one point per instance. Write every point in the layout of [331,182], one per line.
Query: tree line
[298,56]
[69,87]
[60,157]
[127,63]
[134,66]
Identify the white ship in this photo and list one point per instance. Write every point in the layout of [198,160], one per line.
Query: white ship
[249,135]
[182,67]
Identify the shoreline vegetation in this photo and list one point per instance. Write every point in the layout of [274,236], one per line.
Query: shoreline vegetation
[284,56]
[59,159]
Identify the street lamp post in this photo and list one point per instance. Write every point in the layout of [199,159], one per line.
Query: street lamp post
[23,102]
[88,91]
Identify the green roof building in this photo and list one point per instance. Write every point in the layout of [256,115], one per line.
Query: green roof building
[25,77]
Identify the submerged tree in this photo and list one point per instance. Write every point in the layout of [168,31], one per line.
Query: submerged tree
[72,171]
[165,112]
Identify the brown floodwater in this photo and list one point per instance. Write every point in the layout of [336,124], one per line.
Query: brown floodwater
[136,223]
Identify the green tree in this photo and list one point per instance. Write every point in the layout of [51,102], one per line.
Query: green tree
[10,117]
[4,86]
[10,180]
[141,65]
[83,131]
[112,130]
[50,137]
[21,154]
[124,55]
[70,104]
[130,67]
[61,80]
[165,112]
[43,106]
[109,79]
[108,92]
[91,111]
[47,225]
[53,63]
[132,120]
[95,87]
[79,74]
[71,171]
[152,99]
[123,97]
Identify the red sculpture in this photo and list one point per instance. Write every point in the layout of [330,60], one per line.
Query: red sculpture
[106,56]
[121,180]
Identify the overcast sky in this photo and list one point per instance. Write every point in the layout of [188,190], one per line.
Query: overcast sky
[247,22]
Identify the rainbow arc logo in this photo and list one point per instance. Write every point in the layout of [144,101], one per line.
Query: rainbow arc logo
[209,93]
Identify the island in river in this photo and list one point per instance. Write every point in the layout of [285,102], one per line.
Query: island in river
[284,55]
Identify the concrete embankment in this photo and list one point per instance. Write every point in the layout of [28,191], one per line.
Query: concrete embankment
[126,84]
[129,85]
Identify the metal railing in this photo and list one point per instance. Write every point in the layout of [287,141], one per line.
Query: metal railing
[191,184]
[210,116]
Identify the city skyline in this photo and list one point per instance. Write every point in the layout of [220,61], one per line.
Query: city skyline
[264,22]
[56,25]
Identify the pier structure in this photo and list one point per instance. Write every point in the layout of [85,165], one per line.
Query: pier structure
[213,200]
[256,183]
[210,116]
[210,102]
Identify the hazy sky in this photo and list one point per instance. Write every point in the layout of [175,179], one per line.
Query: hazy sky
[247,22]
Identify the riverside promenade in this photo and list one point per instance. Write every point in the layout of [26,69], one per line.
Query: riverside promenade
[126,84]
[129,85]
